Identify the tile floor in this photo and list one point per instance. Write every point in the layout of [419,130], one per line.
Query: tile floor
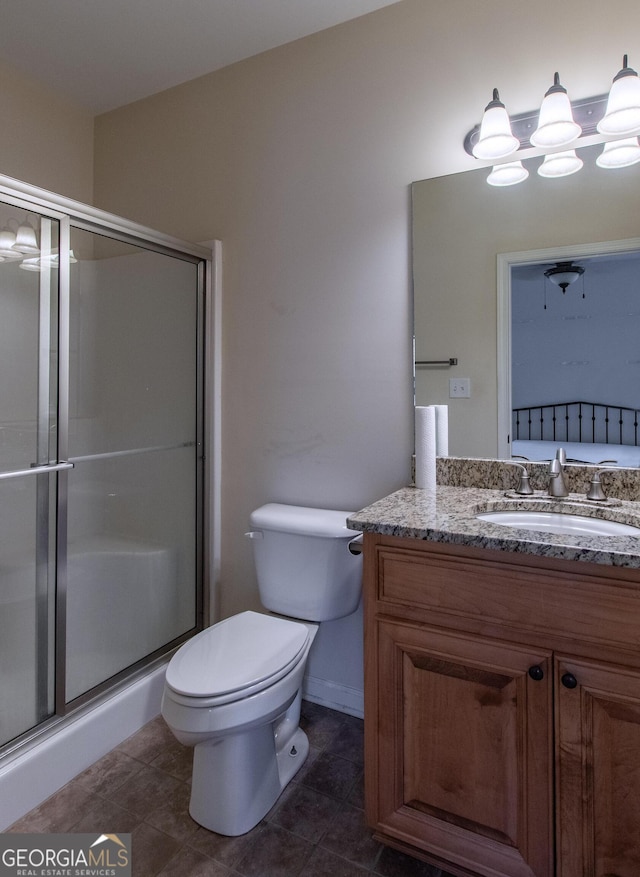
[316,829]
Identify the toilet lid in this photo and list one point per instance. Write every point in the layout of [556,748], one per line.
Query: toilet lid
[242,652]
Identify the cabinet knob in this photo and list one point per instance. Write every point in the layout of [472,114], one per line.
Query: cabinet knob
[536,672]
[569,680]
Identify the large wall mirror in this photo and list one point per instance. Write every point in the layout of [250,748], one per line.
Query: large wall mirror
[479,261]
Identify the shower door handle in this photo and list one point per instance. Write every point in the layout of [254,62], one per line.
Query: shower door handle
[37,470]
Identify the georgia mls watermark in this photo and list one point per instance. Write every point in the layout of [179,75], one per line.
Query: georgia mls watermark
[65,855]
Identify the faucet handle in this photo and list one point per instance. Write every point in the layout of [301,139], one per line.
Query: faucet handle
[524,487]
[595,491]
[561,456]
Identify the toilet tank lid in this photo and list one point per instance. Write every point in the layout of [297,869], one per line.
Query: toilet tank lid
[326,523]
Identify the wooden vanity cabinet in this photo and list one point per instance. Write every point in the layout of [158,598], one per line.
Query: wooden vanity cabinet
[502,710]
[598,742]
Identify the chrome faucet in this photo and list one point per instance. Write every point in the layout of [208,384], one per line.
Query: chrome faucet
[557,484]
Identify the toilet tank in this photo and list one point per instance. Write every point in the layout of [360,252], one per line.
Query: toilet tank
[304,566]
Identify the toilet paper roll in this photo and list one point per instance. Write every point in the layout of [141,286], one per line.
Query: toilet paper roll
[442,430]
[425,438]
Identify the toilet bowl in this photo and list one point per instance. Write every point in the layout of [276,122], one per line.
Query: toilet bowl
[248,745]
[233,691]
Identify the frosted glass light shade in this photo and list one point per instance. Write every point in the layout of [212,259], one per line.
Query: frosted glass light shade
[564,274]
[53,259]
[623,106]
[30,264]
[496,140]
[508,174]
[26,241]
[560,164]
[618,153]
[7,240]
[556,126]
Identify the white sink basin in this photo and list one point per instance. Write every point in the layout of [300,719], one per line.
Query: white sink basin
[558,522]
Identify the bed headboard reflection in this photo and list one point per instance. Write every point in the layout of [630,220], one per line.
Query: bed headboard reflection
[589,422]
[589,432]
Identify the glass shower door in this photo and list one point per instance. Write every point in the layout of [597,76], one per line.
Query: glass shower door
[28,466]
[133,561]
[101,456]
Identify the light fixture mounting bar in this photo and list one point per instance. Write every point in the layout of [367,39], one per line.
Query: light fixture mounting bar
[587,113]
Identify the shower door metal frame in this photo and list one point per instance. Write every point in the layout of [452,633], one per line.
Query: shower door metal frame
[73,214]
[124,232]
[43,466]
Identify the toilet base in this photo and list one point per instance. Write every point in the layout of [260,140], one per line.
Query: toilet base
[237,779]
[292,757]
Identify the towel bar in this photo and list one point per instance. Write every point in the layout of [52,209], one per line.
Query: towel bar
[452,361]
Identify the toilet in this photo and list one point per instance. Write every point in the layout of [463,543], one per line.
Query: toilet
[233,691]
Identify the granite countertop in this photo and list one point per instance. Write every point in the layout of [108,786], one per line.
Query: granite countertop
[448,515]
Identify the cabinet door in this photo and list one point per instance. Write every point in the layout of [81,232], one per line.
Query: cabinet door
[463,750]
[598,817]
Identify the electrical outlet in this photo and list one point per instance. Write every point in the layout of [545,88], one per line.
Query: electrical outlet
[459,388]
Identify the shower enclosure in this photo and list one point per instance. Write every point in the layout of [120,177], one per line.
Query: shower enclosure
[101,454]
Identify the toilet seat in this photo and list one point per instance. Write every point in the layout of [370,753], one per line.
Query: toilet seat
[235,658]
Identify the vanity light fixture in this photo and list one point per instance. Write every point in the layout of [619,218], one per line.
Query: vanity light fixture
[508,174]
[26,241]
[32,263]
[613,119]
[622,116]
[37,263]
[54,259]
[19,242]
[560,164]
[556,126]
[496,139]
[618,153]
[7,240]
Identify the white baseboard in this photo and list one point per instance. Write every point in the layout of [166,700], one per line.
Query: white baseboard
[334,695]
[34,775]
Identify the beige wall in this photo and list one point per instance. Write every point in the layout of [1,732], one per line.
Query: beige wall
[300,160]
[46,140]
[305,183]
